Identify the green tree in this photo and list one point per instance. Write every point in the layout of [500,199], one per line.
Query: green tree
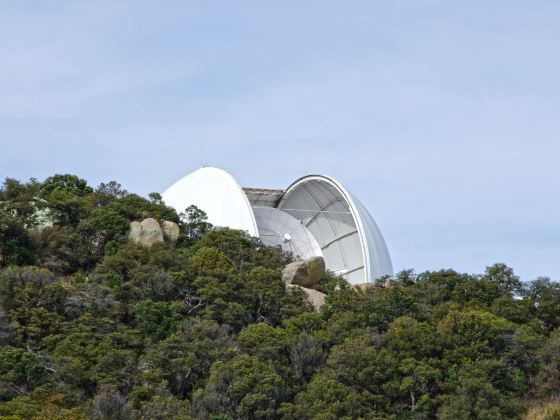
[241,387]
[104,224]
[15,245]
[194,224]
[107,193]
[473,396]
[109,403]
[18,367]
[545,297]
[71,184]
[265,341]
[503,276]
[324,398]
[156,319]
[20,201]
[546,382]
[183,360]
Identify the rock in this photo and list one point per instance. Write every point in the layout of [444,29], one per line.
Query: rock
[170,231]
[146,233]
[364,286]
[151,232]
[316,298]
[315,271]
[376,283]
[294,273]
[304,273]
[135,232]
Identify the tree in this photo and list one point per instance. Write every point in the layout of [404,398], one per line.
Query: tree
[71,184]
[110,404]
[19,368]
[475,334]
[386,304]
[104,328]
[103,225]
[7,328]
[105,194]
[306,355]
[162,406]
[546,381]
[242,387]
[473,396]
[264,341]
[155,198]
[64,250]
[20,201]
[194,223]
[156,319]
[15,245]
[324,398]
[545,297]
[182,361]
[503,276]
[135,207]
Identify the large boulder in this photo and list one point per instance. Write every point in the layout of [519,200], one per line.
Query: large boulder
[135,232]
[170,231]
[146,233]
[306,273]
[295,273]
[151,232]
[314,297]
[377,283]
[315,270]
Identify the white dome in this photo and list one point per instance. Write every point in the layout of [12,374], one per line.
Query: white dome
[351,242]
[315,216]
[279,228]
[218,194]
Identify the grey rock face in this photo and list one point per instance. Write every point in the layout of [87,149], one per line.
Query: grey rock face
[315,270]
[316,298]
[170,231]
[304,273]
[294,273]
[151,232]
[146,233]
[135,232]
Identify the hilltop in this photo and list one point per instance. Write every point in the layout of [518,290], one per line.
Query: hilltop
[94,325]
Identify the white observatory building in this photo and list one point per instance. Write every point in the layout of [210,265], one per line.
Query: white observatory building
[315,216]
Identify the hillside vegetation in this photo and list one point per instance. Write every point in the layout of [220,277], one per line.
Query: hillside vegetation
[92,326]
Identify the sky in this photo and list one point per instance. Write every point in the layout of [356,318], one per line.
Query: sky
[442,116]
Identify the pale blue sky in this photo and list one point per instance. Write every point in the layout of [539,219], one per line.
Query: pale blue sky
[441,116]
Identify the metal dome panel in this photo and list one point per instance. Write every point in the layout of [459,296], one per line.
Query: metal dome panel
[315,216]
[217,193]
[279,228]
[351,242]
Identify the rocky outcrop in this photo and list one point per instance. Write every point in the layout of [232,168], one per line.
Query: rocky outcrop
[170,231]
[376,283]
[135,232]
[149,232]
[314,297]
[294,273]
[306,273]
[315,270]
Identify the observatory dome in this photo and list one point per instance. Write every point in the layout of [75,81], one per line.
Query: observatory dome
[351,242]
[217,193]
[315,216]
[279,228]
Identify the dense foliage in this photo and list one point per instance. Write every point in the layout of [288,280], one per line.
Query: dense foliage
[92,326]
